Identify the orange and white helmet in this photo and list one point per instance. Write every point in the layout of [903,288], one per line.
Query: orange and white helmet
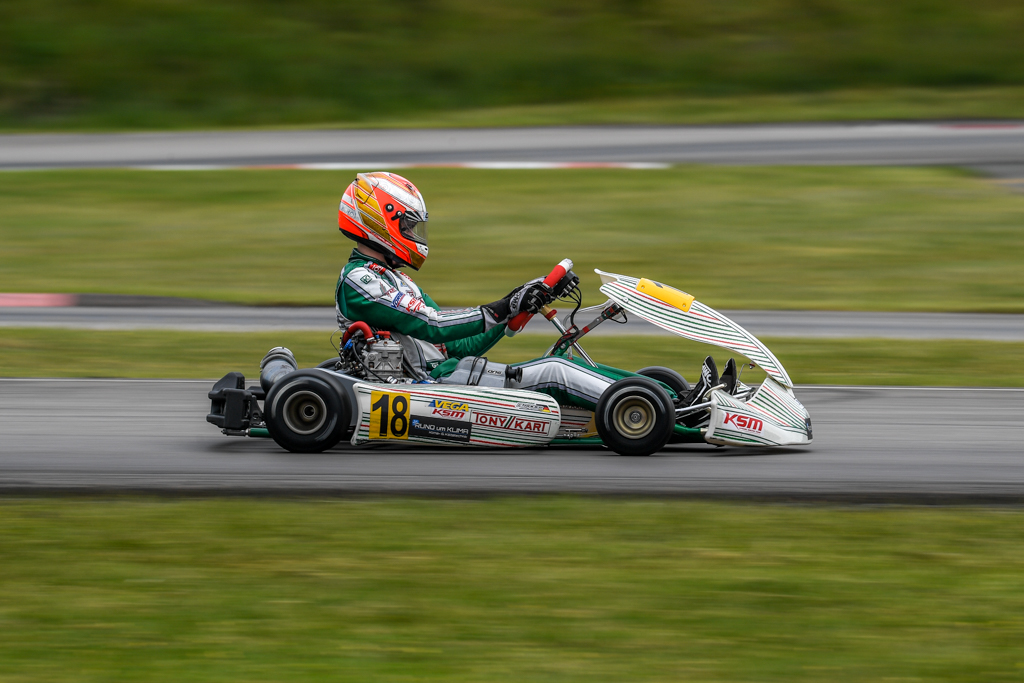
[386,212]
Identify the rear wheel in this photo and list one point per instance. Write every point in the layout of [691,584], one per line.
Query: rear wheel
[304,414]
[635,416]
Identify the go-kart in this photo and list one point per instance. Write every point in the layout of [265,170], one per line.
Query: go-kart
[369,394]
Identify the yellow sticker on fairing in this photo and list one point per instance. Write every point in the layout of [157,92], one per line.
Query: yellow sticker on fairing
[389,415]
[669,295]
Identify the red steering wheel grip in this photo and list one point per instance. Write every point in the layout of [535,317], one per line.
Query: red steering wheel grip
[558,272]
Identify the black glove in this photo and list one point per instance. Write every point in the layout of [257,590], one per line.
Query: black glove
[528,298]
[500,312]
[497,312]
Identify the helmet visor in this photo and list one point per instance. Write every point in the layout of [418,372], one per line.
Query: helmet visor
[413,225]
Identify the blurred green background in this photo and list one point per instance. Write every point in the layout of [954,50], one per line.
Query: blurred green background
[532,588]
[179,63]
[896,239]
[884,239]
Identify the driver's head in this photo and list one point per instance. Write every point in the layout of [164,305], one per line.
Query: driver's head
[386,212]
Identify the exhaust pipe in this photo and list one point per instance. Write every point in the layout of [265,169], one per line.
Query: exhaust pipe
[278,362]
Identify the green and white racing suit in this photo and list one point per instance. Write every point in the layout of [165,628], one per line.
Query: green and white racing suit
[434,339]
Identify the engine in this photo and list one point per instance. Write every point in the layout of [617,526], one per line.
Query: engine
[375,358]
[382,359]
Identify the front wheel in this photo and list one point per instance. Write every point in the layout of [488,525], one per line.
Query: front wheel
[635,416]
[669,377]
[304,414]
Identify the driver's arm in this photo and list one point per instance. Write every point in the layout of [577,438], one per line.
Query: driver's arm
[477,345]
[363,295]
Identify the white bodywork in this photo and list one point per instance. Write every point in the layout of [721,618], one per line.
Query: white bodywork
[445,414]
[700,323]
[773,416]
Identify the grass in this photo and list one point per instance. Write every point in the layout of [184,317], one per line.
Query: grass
[81,353]
[761,237]
[159,64]
[885,104]
[993,103]
[538,589]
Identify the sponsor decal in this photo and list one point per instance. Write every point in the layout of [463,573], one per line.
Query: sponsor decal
[452,409]
[511,423]
[744,423]
[488,420]
[519,424]
[705,373]
[366,279]
[414,304]
[535,407]
[451,405]
[400,299]
[376,267]
[445,412]
[489,371]
[440,429]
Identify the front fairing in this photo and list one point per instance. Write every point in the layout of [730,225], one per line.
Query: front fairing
[681,314]
[772,417]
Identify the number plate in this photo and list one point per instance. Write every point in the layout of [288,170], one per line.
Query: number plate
[389,415]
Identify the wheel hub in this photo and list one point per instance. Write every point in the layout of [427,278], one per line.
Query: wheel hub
[635,417]
[304,412]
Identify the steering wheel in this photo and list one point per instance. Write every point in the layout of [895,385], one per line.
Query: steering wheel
[558,272]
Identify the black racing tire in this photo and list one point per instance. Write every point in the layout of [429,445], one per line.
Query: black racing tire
[330,364]
[673,379]
[667,376]
[635,416]
[305,414]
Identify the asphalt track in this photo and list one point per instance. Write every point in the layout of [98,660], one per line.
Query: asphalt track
[875,444]
[807,324]
[995,147]
[871,443]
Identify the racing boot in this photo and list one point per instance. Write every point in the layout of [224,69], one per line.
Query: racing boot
[708,379]
[728,377]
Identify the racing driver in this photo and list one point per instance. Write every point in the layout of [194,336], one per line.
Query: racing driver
[386,216]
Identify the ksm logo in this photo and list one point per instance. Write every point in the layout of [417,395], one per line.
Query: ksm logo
[747,424]
[511,422]
[452,409]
